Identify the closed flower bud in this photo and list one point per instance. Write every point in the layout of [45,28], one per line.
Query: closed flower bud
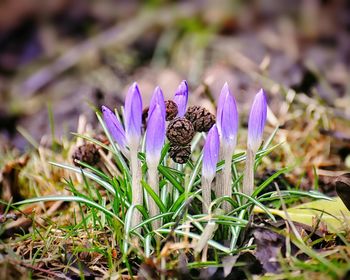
[211,153]
[227,116]
[133,115]
[155,135]
[157,98]
[114,127]
[181,98]
[257,120]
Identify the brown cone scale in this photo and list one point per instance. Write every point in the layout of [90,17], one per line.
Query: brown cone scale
[180,154]
[171,110]
[180,132]
[201,118]
[87,153]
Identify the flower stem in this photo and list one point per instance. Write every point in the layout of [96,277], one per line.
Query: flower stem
[248,180]
[153,182]
[137,191]
[223,180]
[206,194]
[227,191]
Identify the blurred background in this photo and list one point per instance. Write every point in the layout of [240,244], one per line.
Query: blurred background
[62,58]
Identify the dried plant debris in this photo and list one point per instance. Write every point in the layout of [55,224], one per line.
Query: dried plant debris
[270,246]
[9,180]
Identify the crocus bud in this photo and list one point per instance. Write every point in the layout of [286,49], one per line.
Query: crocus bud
[211,154]
[157,98]
[133,115]
[114,127]
[181,98]
[227,117]
[257,119]
[155,135]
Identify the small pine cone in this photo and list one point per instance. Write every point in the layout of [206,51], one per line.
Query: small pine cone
[145,117]
[87,153]
[201,118]
[180,132]
[171,110]
[102,138]
[180,154]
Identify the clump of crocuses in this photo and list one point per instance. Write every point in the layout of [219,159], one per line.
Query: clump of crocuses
[172,119]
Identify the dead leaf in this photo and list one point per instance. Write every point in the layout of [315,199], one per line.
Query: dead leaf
[269,245]
[342,186]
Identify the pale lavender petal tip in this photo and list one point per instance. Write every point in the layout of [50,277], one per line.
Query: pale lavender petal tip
[227,116]
[211,153]
[114,127]
[157,98]
[133,113]
[155,135]
[181,98]
[257,120]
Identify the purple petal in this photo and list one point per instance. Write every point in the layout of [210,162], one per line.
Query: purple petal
[155,134]
[133,114]
[227,115]
[114,127]
[257,120]
[181,98]
[211,153]
[157,98]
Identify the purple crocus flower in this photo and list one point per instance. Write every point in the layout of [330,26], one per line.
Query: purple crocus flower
[257,119]
[133,114]
[211,153]
[181,98]
[157,98]
[155,134]
[114,127]
[227,116]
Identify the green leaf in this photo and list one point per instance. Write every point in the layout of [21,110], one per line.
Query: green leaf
[164,171]
[154,196]
[72,199]
[331,212]
[88,174]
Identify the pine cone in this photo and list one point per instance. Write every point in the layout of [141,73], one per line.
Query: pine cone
[200,117]
[171,110]
[180,132]
[180,154]
[87,153]
[144,117]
